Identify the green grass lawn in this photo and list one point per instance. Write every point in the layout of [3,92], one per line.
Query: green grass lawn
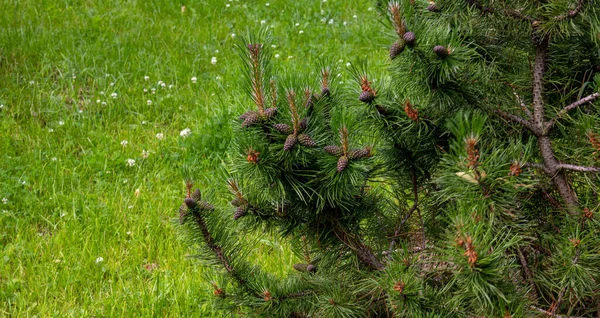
[95,98]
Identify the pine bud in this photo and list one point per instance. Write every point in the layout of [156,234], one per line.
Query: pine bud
[342,163]
[190,203]
[270,112]
[305,267]
[325,92]
[441,51]
[196,195]
[251,119]
[366,96]
[306,140]
[333,150]
[240,211]
[290,142]
[396,49]
[283,128]
[246,114]
[409,38]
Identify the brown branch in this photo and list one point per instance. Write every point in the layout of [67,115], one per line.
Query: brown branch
[578,168]
[363,252]
[538,166]
[410,211]
[518,119]
[571,13]
[510,12]
[527,271]
[588,99]
[547,313]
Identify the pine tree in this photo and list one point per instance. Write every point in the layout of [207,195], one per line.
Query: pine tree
[466,185]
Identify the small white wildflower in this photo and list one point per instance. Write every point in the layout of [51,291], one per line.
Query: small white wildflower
[5,200]
[1,106]
[160,83]
[232,35]
[277,56]
[297,24]
[340,61]
[324,0]
[345,23]
[145,90]
[146,77]
[218,78]
[339,75]
[171,86]
[163,85]
[102,93]
[216,51]
[99,260]
[50,130]
[24,182]
[98,101]
[273,46]
[370,9]
[153,90]
[227,5]
[60,123]
[124,143]
[290,57]
[62,215]
[267,4]
[348,64]
[130,162]
[355,16]
[111,84]
[182,9]
[103,103]
[31,82]
[57,261]
[145,154]
[160,136]
[301,32]
[128,233]
[74,77]
[149,102]
[125,181]
[130,207]
[113,95]
[184,133]
[330,21]
[54,159]
[80,111]
[213,60]
[137,192]
[324,20]
[194,79]
[144,122]
[262,22]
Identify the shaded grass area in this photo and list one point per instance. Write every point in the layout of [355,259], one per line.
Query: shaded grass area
[94,97]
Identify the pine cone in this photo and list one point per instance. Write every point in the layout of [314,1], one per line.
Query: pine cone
[306,140]
[283,128]
[433,8]
[409,38]
[366,96]
[240,211]
[441,51]
[246,114]
[251,119]
[342,163]
[270,112]
[290,142]
[203,205]
[237,202]
[305,267]
[396,49]
[382,110]
[359,153]
[303,123]
[334,150]
[196,195]
[190,203]
[325,92]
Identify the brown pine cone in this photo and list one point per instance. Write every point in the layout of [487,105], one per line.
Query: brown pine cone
[334,150]
[441,51]
[396,49]
[409,38]
[359,153]
[270,112]
[306,140]
[240,211]
[251,119]
[342,163]
[290,142]
[366,96]
[283,128]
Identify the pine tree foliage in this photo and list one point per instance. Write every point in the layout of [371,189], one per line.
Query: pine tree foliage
[463,184]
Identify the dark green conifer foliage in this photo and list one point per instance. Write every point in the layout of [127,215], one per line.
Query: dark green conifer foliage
[464,184]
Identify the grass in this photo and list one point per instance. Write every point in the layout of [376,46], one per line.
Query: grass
[82,232]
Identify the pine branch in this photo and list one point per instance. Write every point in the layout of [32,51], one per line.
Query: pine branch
[571,13]
[363,252]
[518,119]
[588,99]
[509,12]
[520,100]
[579,168]
[547,313]
[538,166]
[527,272]
[410,211]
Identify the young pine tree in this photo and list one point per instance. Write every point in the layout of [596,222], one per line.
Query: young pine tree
[464,184]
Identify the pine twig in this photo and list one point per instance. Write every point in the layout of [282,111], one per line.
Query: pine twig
[410,211]
[547,313]
[579,168]
[571,13]
[588,99]
[517,119]
[527,272]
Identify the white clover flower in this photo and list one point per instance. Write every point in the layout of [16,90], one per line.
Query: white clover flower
[273,46]
[146,77]
[153,90]
[130,162]
[186,132]
[160,83]
[216,51]
[345,23]
[194,79]
[57,261]
[130,207]
[137,192]
[348,64]
[149,102]
[171,86]
[145,154]
[145,90]
[218,78]
[24,182]
[80,111]
[128,233]
[102,93]
[160,136]
[330,21]
[277,56]
[297,24]
[124,143]
[227,5]
[4,200]
[60,123]
[103,104]
[163,85]
[111,84]
[1,106]
[54,159]
[31,82]
[301,32]
[232,35]
[113,95]
[98,101]
[99,260]
[267,4]
[50,130]
[290,57]
[355,16]
[262,22]
[213,60]
[144,122]
[370,9]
